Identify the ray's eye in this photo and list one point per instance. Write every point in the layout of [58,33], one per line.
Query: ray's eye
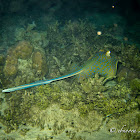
[108,53]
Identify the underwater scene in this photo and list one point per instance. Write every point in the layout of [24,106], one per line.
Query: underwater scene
[69,70]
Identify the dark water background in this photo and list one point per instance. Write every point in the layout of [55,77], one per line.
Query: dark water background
[100,12]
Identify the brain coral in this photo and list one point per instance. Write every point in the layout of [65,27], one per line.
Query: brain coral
[22,50]
[10,68]
[39,63]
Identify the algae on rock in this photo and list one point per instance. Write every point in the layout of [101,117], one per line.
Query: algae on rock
[93,85]
[135,85]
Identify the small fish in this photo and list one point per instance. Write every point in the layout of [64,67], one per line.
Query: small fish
[102,63]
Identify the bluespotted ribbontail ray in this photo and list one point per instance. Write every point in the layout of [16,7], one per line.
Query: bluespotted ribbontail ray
[105,64]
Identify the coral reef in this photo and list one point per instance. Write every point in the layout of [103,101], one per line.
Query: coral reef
[130,57]
[19,34]
[2,59]
[121,90]
[30,27]
[22,62]
[1,100]
[49,93]
[135,85]
[23,50]
[117,97]
[10,68]
[38,38]
[69,108]
[70,99]
[59,111]
[127,125]
[93,85]
[126,74]
[39,63]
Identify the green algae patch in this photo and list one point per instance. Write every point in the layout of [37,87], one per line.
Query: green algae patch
[130,57]
[50,103]
[114,101]
[69,99]
[46,95]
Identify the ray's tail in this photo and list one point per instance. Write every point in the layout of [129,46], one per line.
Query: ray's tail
[42,82]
